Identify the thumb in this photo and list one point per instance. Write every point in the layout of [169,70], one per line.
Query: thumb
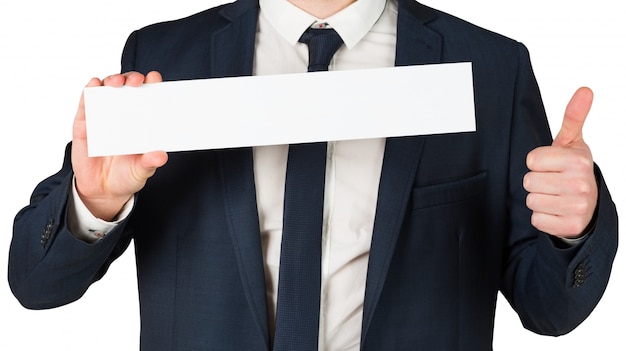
[148,163]
[575,114]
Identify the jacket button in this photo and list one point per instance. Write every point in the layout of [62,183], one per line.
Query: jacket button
[580,274]
[47,231]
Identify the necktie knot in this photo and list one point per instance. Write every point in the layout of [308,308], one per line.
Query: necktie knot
[322,43]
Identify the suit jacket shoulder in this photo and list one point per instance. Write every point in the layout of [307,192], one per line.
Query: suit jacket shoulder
[216,42]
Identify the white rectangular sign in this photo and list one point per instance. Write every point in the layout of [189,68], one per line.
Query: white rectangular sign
[280,109]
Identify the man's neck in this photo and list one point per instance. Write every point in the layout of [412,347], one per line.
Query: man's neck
[322,8]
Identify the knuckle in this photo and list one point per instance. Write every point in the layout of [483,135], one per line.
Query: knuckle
[580,208]
[530,160]
[574,227]
[581,187]
[535,220]
[530,201]
[527,181]
[581,162]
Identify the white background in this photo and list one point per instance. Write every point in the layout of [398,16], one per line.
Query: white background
[50,49]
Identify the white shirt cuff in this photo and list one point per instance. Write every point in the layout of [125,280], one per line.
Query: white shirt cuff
[86,226]
[571,242]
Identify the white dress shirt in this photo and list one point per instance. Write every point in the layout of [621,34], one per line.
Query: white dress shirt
[353,167]
[368,29]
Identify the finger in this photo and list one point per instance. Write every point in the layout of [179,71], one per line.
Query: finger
[94,82]
[114,80]
[560,226]
[558,205]
[134,79]
[128,78]
[153,77]
[575,114]
[543,183]
[553,183]
[557,159]
[79,119]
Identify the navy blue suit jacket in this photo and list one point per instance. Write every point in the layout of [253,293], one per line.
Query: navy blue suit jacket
[451,227]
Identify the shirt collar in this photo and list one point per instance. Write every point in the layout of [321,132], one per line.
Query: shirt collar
[352,23]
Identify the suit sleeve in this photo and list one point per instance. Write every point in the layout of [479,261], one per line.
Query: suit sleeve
[48,265]
[553,288]
[129,52]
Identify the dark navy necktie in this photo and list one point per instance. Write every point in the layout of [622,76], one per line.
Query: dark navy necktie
[298,303]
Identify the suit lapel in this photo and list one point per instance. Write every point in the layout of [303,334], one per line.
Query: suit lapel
[416,44]
[233,45]
[241,213]
[233,52]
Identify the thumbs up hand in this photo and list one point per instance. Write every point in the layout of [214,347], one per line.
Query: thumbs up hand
[561,183]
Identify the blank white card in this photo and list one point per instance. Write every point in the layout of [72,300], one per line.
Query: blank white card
[280,109]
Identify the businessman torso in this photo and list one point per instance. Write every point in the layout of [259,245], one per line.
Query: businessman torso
[420,261]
